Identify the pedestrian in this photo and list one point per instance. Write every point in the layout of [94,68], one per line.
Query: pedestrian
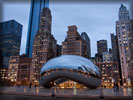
[117,87]
[114,87]
[35,85]
[18,85]
[30,85]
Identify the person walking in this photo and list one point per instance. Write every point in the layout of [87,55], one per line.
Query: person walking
[30,85]
[114,87]
[117,87]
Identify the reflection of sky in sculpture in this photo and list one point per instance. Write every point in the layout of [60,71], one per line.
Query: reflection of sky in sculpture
[70,62]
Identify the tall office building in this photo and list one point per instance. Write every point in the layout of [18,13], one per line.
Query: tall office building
[10,40]
[44,47]
[74,44]
[59,50]
[115,53]
[115,50]
[88,45]
[34,22]
[101,46]
[124,30]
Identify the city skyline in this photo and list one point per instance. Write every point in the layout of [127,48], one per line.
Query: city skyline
[59,16]
[77,19]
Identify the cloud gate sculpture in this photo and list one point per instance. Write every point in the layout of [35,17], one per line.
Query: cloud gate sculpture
[76,68]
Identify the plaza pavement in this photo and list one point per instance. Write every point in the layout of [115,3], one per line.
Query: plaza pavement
[40,93]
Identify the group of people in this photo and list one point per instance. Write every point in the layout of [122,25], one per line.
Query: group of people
[116,87]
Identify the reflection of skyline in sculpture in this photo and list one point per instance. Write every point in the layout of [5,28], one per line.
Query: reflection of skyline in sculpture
[71,67]
[34,22]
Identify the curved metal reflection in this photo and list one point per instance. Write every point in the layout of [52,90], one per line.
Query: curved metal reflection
[76,68]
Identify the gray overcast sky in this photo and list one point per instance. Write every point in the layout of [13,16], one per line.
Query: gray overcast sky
[97,19]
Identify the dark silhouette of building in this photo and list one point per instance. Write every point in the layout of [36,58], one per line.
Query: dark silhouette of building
[115,50]
[10,40]
[74,44]
[34,22]
[124,30]
[101,47]
[24,69]
[44,47]
[59,50]
[88,45]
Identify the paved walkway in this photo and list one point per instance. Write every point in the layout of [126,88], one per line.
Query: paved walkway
[124,93]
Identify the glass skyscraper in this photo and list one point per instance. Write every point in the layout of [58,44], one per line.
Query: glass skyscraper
[34,22]
[10,40]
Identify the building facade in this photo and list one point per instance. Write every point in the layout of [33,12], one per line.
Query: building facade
[24,70]
[115,52]
[88,45]
[13,69]
[34,22]
[19,69]
[10,40]
[110,73]
[124,30]
[59,50]
[74,44]
[44,47]
[3,76]
[101,47]
[107,56]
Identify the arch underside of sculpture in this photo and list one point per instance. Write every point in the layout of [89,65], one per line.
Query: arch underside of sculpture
[54,77]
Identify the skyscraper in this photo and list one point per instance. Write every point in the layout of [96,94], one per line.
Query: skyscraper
[124,30]
[34,22]
[102,46]
[88,46]
[73,44]
[10,40]
[44,47]
[114,43]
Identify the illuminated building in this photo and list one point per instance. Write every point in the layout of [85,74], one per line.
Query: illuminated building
[3,76]
[109,72]
[44,47]
[124,30]
[34,22]
[13,68]
[73,67]
[10,40]
[19,69]
[74,44]
[115,52]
